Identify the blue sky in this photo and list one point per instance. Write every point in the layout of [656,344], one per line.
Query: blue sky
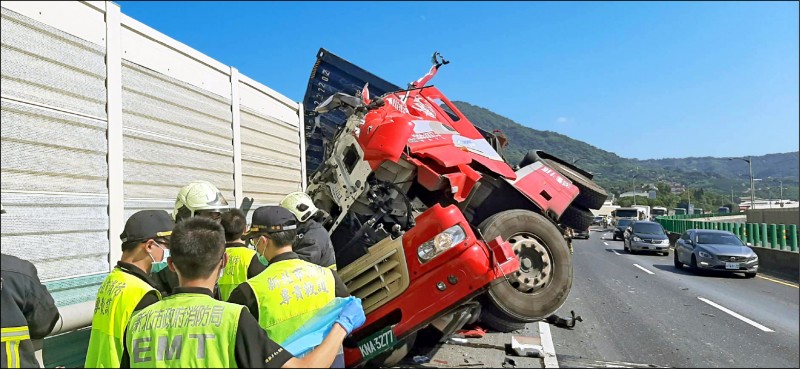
[643,80]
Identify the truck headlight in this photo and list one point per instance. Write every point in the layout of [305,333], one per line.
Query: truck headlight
[442,242]
[665,242]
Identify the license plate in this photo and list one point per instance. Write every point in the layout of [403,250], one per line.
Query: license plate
[377,343]
[731,265]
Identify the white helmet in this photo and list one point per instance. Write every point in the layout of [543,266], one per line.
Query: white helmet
[300,205]
[198,196]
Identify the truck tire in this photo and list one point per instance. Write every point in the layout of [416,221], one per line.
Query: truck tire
[591,195]
[576,217]
[544,280]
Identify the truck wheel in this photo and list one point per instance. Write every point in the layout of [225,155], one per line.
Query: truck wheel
[576,217]
[544,280]
[591,195]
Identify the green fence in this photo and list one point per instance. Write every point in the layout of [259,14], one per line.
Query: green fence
[772,236]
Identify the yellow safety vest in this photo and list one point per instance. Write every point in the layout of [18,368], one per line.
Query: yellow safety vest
[235,272]
[289,293]
[184,330]
[12,337]
[118,296]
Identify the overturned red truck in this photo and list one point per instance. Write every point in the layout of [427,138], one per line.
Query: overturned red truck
[432,227]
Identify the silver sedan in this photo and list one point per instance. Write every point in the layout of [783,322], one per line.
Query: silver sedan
[715,250]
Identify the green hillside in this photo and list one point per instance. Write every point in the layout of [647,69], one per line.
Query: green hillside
[707,175]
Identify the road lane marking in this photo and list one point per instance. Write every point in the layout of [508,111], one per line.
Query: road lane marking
[615,251]
[642,268]
[548,349]
[777,281]
[735,315]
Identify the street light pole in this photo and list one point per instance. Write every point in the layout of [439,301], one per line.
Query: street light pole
[749,161]
[633,184]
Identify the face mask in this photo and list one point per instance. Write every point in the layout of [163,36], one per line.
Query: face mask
[159,265]
[261,257]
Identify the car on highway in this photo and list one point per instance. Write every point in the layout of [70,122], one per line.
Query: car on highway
[619,228]
[598,220]
[705,249]
[582,234]
[645,235]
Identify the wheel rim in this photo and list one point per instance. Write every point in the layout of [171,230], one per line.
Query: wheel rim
[536,266]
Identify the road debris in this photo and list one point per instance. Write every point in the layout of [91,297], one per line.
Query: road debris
[509,363]
[474,332]
[526,346]
[568,323]
[457,340]
[420,359]
[711,315]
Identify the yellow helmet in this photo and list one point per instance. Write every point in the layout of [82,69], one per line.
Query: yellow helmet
[196,197]
[300,205]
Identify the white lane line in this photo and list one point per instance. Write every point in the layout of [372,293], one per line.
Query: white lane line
[735,315]
[642,268]
[549,350]
[605,243]
[615,251]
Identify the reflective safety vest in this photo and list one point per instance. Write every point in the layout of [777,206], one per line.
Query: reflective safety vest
[235,272]
[289,293]
[184,330]
[118,296]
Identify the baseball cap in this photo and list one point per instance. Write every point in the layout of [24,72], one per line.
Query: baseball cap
[146,224]
[272,219]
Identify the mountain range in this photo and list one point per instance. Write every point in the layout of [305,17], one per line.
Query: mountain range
[615,173]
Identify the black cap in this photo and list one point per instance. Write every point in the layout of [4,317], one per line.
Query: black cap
[146,224]
[272,219]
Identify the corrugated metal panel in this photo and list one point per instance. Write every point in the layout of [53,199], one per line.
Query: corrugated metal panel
[44,65]
[174,133]
[63,235]
[54,169]
[270,157]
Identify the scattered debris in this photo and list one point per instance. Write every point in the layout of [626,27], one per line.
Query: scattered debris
[685,288]
[509,363]
[420,359]
[564,322]
[526,346]
[457,340]
[475,332]
[437,361]
[707,314]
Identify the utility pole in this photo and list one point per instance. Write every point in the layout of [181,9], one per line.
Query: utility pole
[633,184]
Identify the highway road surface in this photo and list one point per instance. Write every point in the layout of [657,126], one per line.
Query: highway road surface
[640,311]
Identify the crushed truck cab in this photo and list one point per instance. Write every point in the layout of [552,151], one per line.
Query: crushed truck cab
[432,227]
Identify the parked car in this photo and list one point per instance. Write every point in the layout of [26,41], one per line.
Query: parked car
[646,236]
[619,230]
[715,250]
[582,234]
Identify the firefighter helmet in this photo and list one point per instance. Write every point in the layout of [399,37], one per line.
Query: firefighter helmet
[199,196]
[300,205]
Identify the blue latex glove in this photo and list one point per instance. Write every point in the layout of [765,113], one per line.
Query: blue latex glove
[352,316]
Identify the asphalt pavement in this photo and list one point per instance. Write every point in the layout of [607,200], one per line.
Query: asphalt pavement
[639,310]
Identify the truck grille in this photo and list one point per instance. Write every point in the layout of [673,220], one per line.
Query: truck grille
[379,276]
[732,259]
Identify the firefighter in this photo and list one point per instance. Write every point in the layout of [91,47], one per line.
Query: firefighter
[191,329]
[290,290]
[128,288]
[314,244]
[243,263]
[28,311]
[199,198]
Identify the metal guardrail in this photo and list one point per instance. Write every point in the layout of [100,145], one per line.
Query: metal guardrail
[772,236]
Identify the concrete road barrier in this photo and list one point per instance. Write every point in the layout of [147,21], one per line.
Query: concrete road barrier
[778,263]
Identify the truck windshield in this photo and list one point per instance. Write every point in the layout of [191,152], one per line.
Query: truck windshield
[659,212]
[648,228]
[627,213]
